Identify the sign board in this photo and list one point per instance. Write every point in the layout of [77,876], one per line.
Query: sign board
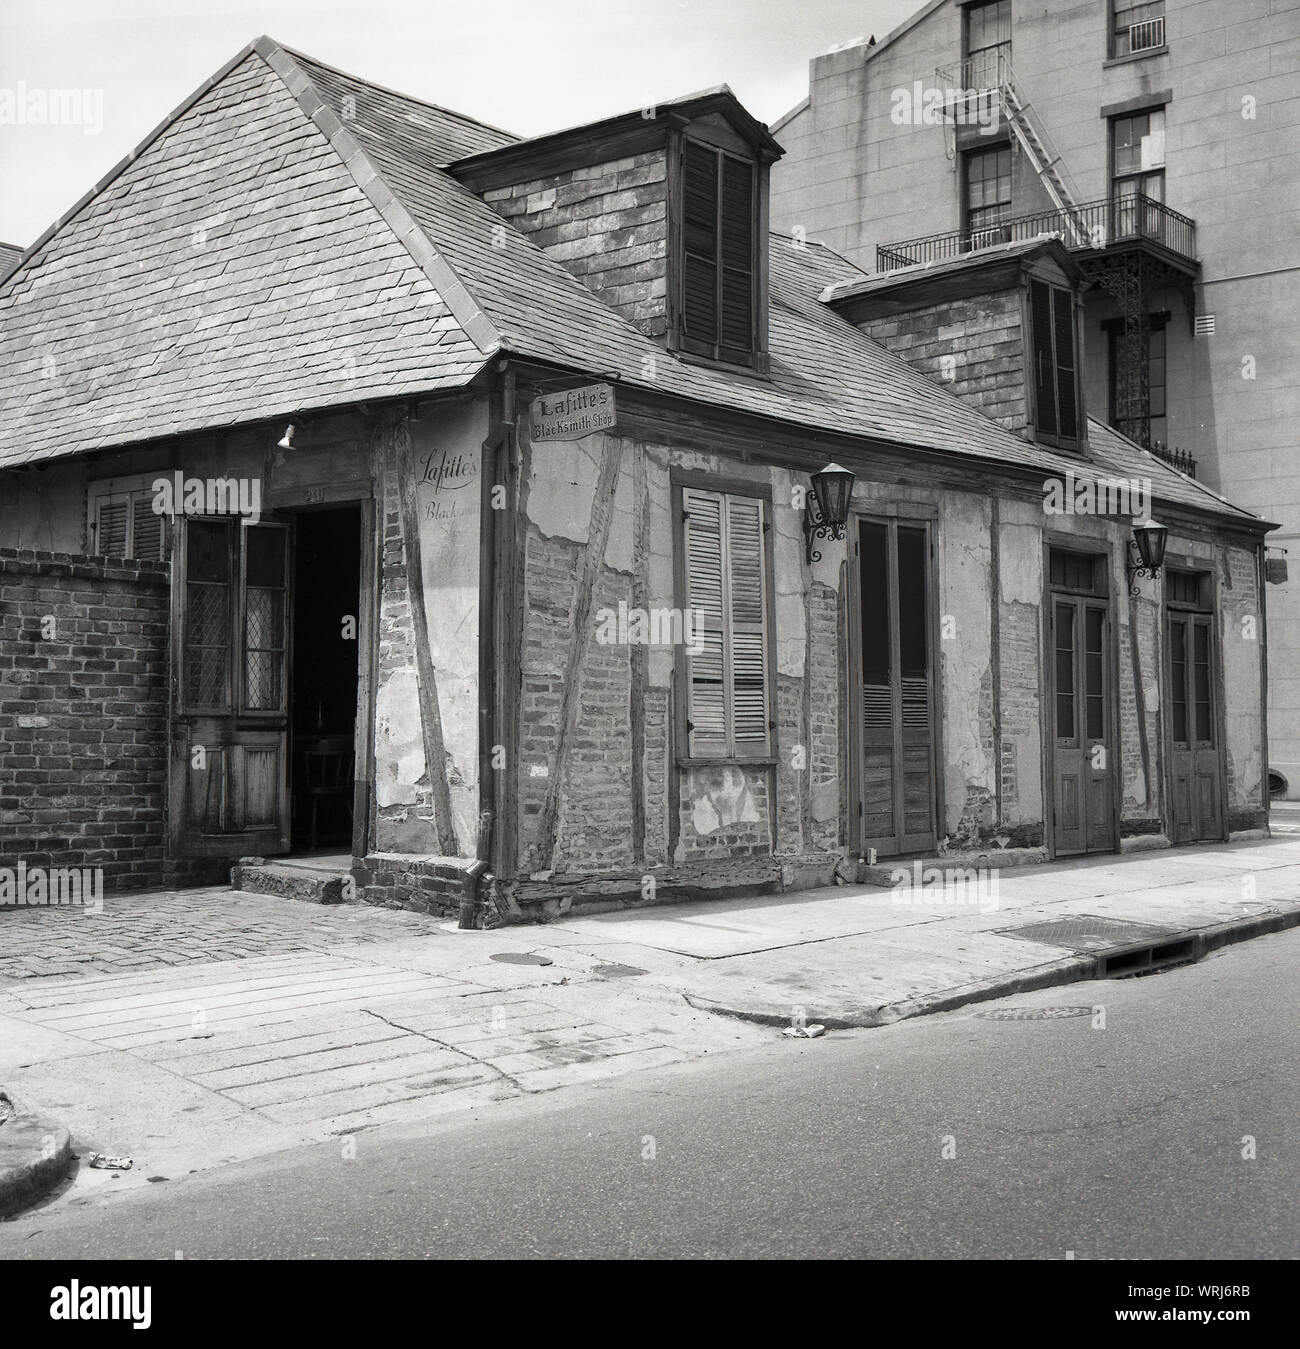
[573,413]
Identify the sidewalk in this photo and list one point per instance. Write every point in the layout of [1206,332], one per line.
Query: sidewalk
[191,1029]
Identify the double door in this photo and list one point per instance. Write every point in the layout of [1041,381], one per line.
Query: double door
[1195,799]
[1083,805]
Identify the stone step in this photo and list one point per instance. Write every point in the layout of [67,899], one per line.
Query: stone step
[324,884]
[986,859]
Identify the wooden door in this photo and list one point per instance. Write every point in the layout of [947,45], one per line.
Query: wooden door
[896,702]
[1196,800]
[1083,802]
[229,791]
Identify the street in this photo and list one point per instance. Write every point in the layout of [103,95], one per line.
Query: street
[1158,1123]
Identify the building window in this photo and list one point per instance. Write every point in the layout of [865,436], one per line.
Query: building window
[1136,28]
[1137,156]
[1157,380]
[122,521]
[987,186]
[727,685]
[988,44]
[719,262]
[1054,351]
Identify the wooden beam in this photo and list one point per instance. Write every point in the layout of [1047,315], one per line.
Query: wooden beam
[602,510]
[398,436]
[640,655]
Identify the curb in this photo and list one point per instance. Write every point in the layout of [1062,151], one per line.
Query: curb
[1069,970]
[34,1157]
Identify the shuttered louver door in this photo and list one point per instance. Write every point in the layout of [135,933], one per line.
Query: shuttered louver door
[726,586]
[110,527]
[737,235]
[747,630]
[1044,359]
[700,237]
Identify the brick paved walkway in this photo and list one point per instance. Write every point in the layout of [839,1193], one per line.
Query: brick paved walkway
[175,927]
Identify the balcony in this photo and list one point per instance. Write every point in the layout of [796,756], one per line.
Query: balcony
[1107,226]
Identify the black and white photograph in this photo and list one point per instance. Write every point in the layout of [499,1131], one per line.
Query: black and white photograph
[653,631]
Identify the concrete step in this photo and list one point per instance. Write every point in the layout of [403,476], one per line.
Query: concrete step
[322,882]
[882,872]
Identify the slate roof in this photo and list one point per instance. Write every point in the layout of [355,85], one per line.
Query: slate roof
[337,261]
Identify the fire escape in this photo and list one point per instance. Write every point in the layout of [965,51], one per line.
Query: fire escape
[1129,246]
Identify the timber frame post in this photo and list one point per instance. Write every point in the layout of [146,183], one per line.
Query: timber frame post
[394,440]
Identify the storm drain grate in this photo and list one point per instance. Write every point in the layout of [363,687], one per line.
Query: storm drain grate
[1082,932]
[1034,1013]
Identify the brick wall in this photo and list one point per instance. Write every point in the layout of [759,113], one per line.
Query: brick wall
[608,225]
[983,337]
[83,714]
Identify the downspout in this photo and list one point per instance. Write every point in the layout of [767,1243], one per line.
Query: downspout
[473,902]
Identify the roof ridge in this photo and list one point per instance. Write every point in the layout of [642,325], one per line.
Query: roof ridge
[458,298]
[395,93]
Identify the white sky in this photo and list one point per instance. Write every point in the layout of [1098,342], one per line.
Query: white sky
[526,65]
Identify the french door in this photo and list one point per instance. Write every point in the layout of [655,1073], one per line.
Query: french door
[1196,801]
[1083,792]
[229,790]
[896,700]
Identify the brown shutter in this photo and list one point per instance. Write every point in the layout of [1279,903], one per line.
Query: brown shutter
[746,628]
[110,527]
[706,708]
[737,251]
[146,529]
[1066,402]
[1044,375]
[728,682]
[700,235]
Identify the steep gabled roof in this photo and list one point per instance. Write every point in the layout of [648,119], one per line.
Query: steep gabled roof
[289,240]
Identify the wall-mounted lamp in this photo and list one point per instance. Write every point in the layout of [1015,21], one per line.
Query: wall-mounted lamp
[826,510]
[286,441]
[1146,552]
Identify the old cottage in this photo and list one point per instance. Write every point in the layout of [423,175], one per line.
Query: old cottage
[519,523]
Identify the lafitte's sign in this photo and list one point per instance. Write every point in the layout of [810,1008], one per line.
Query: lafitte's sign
[572,414]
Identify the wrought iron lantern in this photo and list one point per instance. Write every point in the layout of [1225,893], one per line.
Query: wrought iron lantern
[1146,550]
[826,510]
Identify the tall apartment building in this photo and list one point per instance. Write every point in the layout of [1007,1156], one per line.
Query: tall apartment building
[1160,141]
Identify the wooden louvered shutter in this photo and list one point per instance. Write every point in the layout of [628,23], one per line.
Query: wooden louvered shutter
[1067,412]
[1040,300]
[706,672]
[737,258]
[746,628]
[726,586]
[146,529]
[700,238]
[110,527]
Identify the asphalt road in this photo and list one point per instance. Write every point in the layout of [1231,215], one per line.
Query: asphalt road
[951,1136]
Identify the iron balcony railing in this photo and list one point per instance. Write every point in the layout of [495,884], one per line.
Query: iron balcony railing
[1114,220]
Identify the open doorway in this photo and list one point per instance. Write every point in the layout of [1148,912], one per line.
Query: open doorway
[327,573]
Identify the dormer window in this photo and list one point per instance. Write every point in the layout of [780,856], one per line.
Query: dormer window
[719,263]
[1054,337]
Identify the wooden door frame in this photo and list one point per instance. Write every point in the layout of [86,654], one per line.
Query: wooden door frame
[910,513]
[175,813]
[1206,566]
[1097,548]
